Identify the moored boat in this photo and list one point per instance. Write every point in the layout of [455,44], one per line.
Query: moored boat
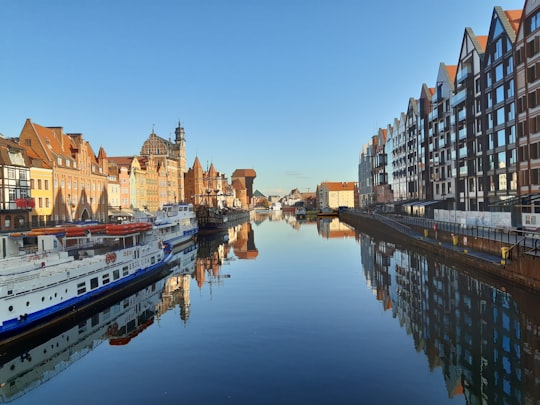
[176,224]
[300,212]
[44,273]
[213,219]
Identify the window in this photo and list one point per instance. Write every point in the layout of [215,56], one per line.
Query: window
[39,184]
[116,274]
[533,46]
[125,271]
[499,94]
[94,283]
[502,181]
[510,89]
[32,184]
[46,182]
[81,288]
[501,141]
[501,160]
[511,114]
[509,64]
[105,279]
[498,51]
[533,22]
[511,134]
[500,116]
[499,72]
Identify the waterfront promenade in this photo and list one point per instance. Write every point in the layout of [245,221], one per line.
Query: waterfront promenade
[506,254]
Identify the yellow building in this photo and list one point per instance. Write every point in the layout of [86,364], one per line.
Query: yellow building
[335,194]
[41,180]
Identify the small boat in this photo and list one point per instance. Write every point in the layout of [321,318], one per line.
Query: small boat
[300,212]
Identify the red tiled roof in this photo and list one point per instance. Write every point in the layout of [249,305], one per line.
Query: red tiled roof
[514,18]
[244,173]
[452,70]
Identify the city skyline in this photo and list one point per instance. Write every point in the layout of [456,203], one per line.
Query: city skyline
[292,90]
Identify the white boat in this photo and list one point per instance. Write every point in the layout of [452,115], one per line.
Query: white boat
[27,366]
[46,273]
[176,224]
[276,206]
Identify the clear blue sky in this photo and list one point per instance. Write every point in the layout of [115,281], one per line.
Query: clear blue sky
[290,88]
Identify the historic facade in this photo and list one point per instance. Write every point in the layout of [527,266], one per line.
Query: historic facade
[79,181]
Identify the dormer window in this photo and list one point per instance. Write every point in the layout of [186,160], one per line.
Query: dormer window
[59,161]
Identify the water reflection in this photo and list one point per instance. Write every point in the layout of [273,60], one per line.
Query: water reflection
[24,368]
[484,339]
[332,227]
[217,249]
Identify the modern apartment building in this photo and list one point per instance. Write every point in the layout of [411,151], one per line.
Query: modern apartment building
[412,163]
[527,82]
[467,105]
[397,146]
[440,142]
[472,141]
[499,169]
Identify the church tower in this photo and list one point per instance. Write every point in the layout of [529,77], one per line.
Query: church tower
[180,152]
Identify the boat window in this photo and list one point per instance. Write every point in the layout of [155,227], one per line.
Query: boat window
[105,279]
[93,283]
[152,260]
[116,274]
[125,271]
[81,288]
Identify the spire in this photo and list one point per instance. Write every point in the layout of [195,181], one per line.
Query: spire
[179,132]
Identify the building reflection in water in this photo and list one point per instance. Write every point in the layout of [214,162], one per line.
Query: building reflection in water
[27,366]
[176,291]
[332,227]
[484,339]
[218,249]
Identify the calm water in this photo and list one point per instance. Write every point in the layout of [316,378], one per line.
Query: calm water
[289,312]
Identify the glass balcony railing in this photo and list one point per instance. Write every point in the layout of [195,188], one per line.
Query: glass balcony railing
[462,75]
[458,98]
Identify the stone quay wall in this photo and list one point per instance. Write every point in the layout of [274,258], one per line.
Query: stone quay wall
[473,253]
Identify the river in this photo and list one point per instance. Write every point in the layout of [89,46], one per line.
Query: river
[280,311]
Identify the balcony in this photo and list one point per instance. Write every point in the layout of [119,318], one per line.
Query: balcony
[458,98]
[462,75]
[462,114]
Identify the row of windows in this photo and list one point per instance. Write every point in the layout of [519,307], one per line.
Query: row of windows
[531,151]
[14,174]
[105,279]
[530,177]
[41,184]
